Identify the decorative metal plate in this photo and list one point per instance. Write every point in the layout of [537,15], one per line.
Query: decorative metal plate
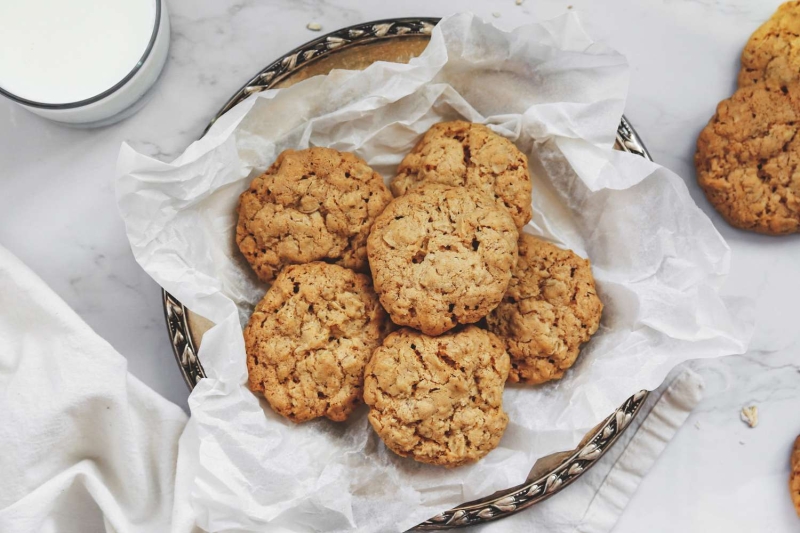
[356,47]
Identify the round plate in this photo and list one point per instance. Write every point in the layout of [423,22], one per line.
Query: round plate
[356,47]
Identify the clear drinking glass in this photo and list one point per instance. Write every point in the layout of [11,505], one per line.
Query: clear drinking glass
[82,62]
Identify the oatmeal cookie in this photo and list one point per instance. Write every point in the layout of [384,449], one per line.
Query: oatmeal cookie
[469,155]
[747,159]
[309,339]
[311,205]
[438,400]
[794,479]
[550,309]
[772,55]
[442,256]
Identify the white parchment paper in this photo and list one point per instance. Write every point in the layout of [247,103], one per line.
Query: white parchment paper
[657,259]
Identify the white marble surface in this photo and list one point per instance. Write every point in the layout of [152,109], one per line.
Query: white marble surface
[58,214]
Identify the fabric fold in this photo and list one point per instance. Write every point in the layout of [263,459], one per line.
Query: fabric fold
[83,442]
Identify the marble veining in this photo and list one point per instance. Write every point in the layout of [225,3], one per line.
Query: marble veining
[58,214]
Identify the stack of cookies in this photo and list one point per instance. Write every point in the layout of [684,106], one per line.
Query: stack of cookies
[748,156]
[421,299]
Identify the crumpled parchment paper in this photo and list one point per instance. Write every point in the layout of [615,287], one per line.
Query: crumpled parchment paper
[658,261]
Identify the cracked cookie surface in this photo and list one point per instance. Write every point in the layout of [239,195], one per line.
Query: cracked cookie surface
[464,154]
[550,309]
[772,54]
[438,400]
[310,338]
[794,478]
[747,159]
[442,256]
[311,205]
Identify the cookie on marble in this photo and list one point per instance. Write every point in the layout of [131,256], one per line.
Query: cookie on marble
[438,400]
[310,338]
[748,158]
[469,155]
[311,205]
[794,478]
[442,256]
[772,54]
[550,309]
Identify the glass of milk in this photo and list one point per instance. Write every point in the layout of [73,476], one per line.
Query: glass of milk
[83,62]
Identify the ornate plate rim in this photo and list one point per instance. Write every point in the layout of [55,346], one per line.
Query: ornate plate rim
[502,503]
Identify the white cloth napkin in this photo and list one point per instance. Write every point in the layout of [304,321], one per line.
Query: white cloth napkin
[84,446]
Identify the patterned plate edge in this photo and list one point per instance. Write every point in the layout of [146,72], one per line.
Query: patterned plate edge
[181,339]
[313,50]
[522,496]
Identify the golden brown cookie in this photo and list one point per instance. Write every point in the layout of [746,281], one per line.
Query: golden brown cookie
[309,339]
[438,400]
[747,159]
[311,205]
[772,55]
[794,478]
[442,256]
[469,155]
[550,309]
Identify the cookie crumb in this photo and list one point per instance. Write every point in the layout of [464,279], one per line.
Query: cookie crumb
[496,15]
[750,415]
[518,2]
[569,7]
[314,26]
